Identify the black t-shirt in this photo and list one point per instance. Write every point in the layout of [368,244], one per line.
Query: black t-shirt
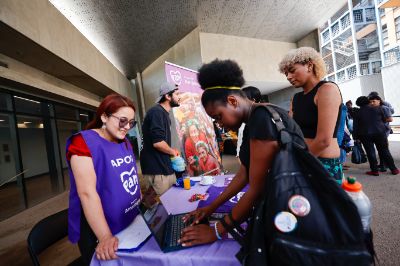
[369,120]
[261,127]
[156,127]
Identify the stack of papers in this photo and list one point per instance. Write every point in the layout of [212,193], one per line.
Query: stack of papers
[134,236]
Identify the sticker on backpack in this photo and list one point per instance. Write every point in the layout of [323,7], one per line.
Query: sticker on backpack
[299,205]
[285,222]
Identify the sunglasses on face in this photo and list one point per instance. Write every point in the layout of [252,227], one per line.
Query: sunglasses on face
[123,121]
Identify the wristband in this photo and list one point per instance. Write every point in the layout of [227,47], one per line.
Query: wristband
[216,231]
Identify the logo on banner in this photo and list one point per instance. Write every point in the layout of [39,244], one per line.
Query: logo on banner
[176,76]
[236,198]
[130,181]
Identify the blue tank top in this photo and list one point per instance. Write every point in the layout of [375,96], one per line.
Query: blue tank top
[117,184]
[305,112]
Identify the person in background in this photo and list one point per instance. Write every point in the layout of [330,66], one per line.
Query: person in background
[254,95]
[155,155]
[218,136]
[208,164]
[349,116]
[101,192]
[384,103]
[370,129]
[316,109]
[224,101]
[376,101]
[193,136]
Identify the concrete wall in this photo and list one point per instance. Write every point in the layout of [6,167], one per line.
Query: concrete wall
[185,53]
[310,40]
[391,85]
[259,59]
[283,97]
[40,21]
[351,90]
[25,74]
[372,83]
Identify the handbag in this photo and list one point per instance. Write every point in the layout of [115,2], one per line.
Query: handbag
[304,217]
[358,155]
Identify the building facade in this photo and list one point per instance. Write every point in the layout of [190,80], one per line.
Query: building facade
[360,46]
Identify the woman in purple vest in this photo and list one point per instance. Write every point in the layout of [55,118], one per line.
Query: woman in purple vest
[104,183]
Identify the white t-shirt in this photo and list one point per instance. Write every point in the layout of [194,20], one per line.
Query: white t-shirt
[240,138]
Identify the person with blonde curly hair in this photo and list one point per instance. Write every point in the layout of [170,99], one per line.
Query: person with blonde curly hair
[316,109]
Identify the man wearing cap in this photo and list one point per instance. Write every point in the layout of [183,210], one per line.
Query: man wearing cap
[155,156]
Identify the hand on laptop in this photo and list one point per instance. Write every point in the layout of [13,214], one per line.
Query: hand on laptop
[197,215]
[197,235]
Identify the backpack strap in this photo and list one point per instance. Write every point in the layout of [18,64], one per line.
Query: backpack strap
[284,136]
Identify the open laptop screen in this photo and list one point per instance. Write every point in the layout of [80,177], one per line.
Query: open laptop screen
[155,216]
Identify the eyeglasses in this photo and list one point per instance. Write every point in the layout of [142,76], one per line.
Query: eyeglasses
[123,121]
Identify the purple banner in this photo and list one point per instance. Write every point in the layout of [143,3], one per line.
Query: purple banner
[185,78]
[194,127]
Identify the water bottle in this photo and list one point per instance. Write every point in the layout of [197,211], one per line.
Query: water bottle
[354,190]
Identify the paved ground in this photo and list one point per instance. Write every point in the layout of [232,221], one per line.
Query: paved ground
[384,193]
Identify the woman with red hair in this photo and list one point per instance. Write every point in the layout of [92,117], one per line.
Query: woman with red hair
[104,183]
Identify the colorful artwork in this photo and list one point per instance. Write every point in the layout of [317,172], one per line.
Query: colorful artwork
[195,128]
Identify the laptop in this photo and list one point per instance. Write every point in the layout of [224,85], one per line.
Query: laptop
[165,227]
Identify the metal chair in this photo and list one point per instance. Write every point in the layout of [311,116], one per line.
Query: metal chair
[47,232]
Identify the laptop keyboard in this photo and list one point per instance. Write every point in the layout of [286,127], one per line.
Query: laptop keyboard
[176,226]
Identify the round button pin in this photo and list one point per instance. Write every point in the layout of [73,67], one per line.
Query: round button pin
[285,222]
[299,205]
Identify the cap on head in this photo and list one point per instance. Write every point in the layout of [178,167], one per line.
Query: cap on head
[166,88]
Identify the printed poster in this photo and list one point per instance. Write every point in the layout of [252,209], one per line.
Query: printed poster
[195,128]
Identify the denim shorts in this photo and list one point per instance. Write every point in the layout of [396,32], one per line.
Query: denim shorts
[334,168]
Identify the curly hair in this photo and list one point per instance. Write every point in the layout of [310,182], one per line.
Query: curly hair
[220,73]
[304,55]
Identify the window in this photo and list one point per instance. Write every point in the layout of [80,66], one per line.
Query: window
[10,176]
[352,72]
[364,68]
[376,67]
[66,112]
[341,76]
[397,25]
[358,15]
[32,149]
[325,36]
[335,29]
[385,36]
[370,14]
[345,21]
[27,105]
[5,102]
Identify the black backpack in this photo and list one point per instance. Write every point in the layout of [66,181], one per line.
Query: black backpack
[328,230]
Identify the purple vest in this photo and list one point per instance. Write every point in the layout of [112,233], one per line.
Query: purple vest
[117,184]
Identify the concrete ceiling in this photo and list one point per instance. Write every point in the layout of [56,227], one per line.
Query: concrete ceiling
[133,33]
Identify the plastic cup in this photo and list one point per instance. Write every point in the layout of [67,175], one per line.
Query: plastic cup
[186,183]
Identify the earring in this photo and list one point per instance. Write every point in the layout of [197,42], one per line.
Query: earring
[103,126]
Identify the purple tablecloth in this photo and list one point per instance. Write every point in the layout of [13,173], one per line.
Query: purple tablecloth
[176,200]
